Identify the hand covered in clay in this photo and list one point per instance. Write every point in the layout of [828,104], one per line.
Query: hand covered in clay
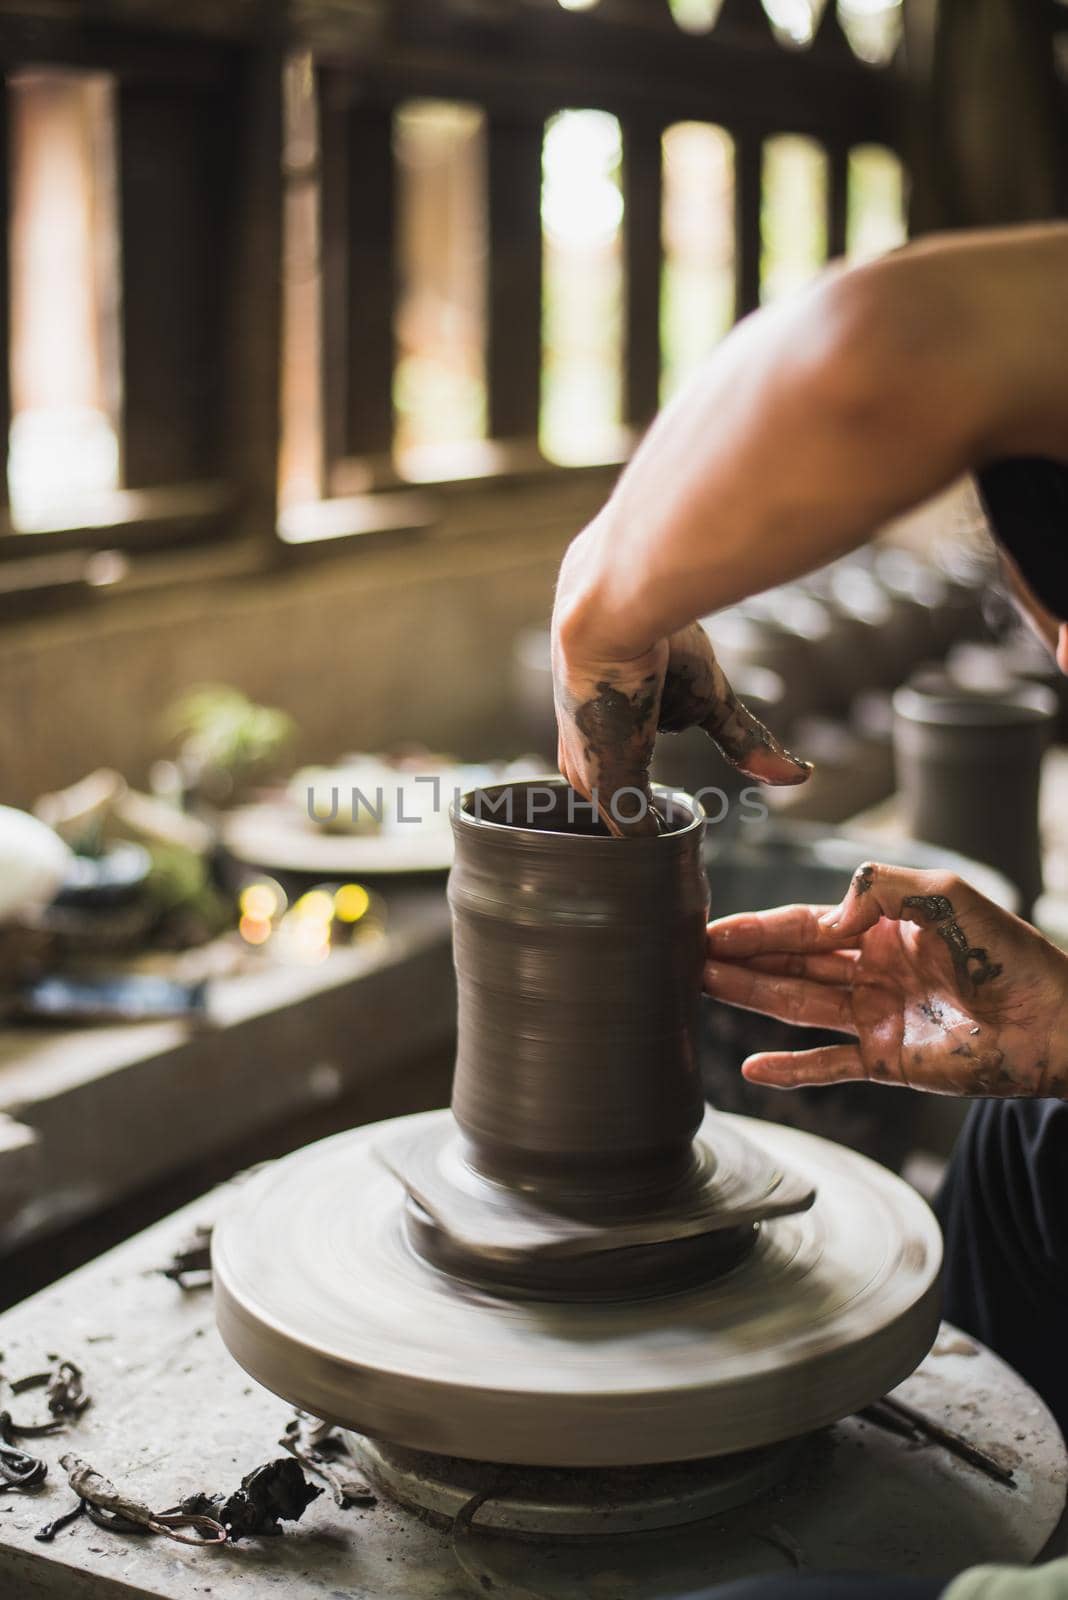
[941,989]
[609,710]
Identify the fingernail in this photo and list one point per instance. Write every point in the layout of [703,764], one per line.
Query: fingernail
[830,919]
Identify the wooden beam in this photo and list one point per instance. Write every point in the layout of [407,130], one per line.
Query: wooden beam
[175,165]
[642,221]
[837,198]
[359,271]
[830,42]
[748,190]
[254,290]
[513,364]
[744,20]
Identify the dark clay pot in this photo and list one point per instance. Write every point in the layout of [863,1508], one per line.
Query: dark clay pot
[578,963]
[968,768]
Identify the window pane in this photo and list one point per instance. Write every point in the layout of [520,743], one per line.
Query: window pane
[696,16]
[582,312]
[440,380]
[300,459]
[793,214]
[697,286]
[793,21]
[876,216]
[873,27]
[65,360]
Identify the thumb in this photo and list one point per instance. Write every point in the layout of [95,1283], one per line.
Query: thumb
[697,693]
[749,746]
[902,893]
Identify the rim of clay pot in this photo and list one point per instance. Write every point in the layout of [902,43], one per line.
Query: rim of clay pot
[669,801]
[947,705]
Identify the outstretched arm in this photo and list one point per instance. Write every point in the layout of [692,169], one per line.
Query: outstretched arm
[814,423]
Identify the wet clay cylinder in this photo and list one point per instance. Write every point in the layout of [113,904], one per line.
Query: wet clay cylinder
[578,964]
[968,767]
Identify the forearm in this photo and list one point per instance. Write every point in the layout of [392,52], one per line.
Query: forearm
[809,428]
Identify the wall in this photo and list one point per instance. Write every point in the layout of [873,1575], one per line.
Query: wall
[372,646]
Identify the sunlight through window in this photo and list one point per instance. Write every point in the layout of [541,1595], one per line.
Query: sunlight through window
[793,215]
[876,217]
[300,460]
[696,16]
[440,379]
[582,316]
[697,285]
[873,27]
[793,21]
[63,462]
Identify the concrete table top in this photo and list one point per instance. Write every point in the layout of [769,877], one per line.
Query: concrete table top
[172,1414]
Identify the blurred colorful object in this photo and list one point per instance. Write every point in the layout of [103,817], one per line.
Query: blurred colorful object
[34,862]
[320,919]
[227,740]
[141,875]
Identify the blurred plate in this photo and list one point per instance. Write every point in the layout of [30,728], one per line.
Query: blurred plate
[111,879]
[276,838]
[765,864]
[411,832]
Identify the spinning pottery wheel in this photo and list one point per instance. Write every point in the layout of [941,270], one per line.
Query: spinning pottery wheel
[578,1266]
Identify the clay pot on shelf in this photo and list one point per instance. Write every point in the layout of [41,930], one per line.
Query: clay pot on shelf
[532,692]
[744,637]
[690,762]
[992,665]
[857,655]
[968,767]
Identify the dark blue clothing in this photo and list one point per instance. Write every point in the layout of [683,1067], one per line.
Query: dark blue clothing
[1004,1213]
[837,1587]
[1026,502]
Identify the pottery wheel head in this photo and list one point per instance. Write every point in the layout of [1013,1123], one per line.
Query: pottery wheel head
[321,1298]
[503,1237]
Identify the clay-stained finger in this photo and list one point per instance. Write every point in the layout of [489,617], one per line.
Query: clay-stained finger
[880,891]
[840,967]
[640,825]
[751,747]
[786,929]
[794,1000]
[745,741]
[793,1069]
[697,693]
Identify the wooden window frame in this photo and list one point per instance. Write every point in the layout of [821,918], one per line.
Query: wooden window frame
[207,90]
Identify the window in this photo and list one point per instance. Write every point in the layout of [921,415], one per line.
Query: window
[439,387]
[697,286]
[63,461]
[876,213]
[582,313]
[793,218]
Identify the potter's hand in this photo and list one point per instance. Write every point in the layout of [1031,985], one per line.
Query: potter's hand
[941,988]
[608,711]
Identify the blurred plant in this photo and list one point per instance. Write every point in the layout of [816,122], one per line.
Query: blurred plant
[189,908]
[227,740]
